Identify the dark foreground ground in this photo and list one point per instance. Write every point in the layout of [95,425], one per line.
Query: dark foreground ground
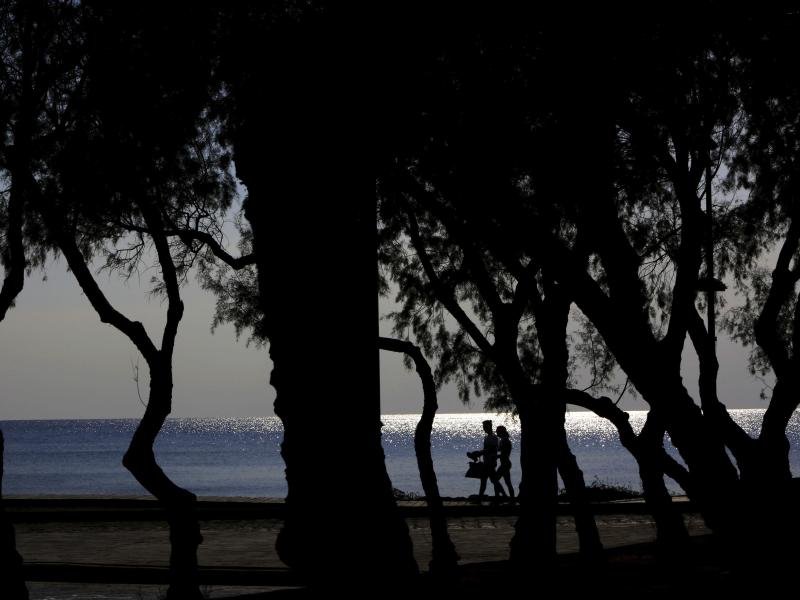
[92,550]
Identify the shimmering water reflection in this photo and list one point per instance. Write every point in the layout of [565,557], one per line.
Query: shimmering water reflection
[240,457]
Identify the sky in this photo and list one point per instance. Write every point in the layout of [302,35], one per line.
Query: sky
[57,360]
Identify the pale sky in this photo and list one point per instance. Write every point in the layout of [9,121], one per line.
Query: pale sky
[57,360]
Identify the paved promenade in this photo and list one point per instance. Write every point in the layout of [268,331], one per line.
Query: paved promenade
[242,550]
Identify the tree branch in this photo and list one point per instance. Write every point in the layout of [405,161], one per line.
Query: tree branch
[15,259]
[187,236]
[134,330]
[766,325]
[174,303]
[443,294]
[733,435]
[606,408]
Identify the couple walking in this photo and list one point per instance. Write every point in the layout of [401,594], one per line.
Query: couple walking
[495,446]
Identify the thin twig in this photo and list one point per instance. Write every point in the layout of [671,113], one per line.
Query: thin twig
[135,369]
[624,387]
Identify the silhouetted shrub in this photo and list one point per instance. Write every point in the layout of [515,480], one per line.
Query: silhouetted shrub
[599,491]
[401,495]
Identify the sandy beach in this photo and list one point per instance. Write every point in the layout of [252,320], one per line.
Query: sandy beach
[130,552]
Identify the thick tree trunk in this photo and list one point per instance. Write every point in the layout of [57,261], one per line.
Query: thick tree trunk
[179,504]
[768,488]
[534,542]
[591,548]
[445,558]
[12,578]
[714,478]
[301,140]
[335,466]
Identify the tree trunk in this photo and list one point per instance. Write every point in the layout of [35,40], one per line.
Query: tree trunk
[179,504]
[445,558]
[714,479]
[12,578]
[534,542]
[335,466]
[671,532]
[552,317]
[769,489]
[591,548]
[300,133]
[773,445]
[652,459]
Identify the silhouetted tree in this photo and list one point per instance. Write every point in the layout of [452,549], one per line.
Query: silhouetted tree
[468,148]
[450,270]
[762,232]
[37,61]
[667,118]
[297,123]
[444,557]
[664,110]
[131,154]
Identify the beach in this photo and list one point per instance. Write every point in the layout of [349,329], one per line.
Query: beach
[133,551]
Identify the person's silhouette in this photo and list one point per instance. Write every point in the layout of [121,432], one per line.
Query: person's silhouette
[489,454]
[504,471]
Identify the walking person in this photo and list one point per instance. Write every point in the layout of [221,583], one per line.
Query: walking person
[504,471]
[489,455]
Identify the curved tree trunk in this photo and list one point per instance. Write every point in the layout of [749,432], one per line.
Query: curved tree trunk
[671,532]
[591,548]
[445,558]
[179,504]
[12,578]
[653,461]
[774,470]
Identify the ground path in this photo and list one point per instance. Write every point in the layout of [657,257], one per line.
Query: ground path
[245,547]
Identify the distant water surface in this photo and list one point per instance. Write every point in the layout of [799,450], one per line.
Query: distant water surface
[240,457]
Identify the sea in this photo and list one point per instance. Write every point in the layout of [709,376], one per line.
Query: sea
[239,457]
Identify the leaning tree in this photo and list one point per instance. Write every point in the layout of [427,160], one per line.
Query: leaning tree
[138,149]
